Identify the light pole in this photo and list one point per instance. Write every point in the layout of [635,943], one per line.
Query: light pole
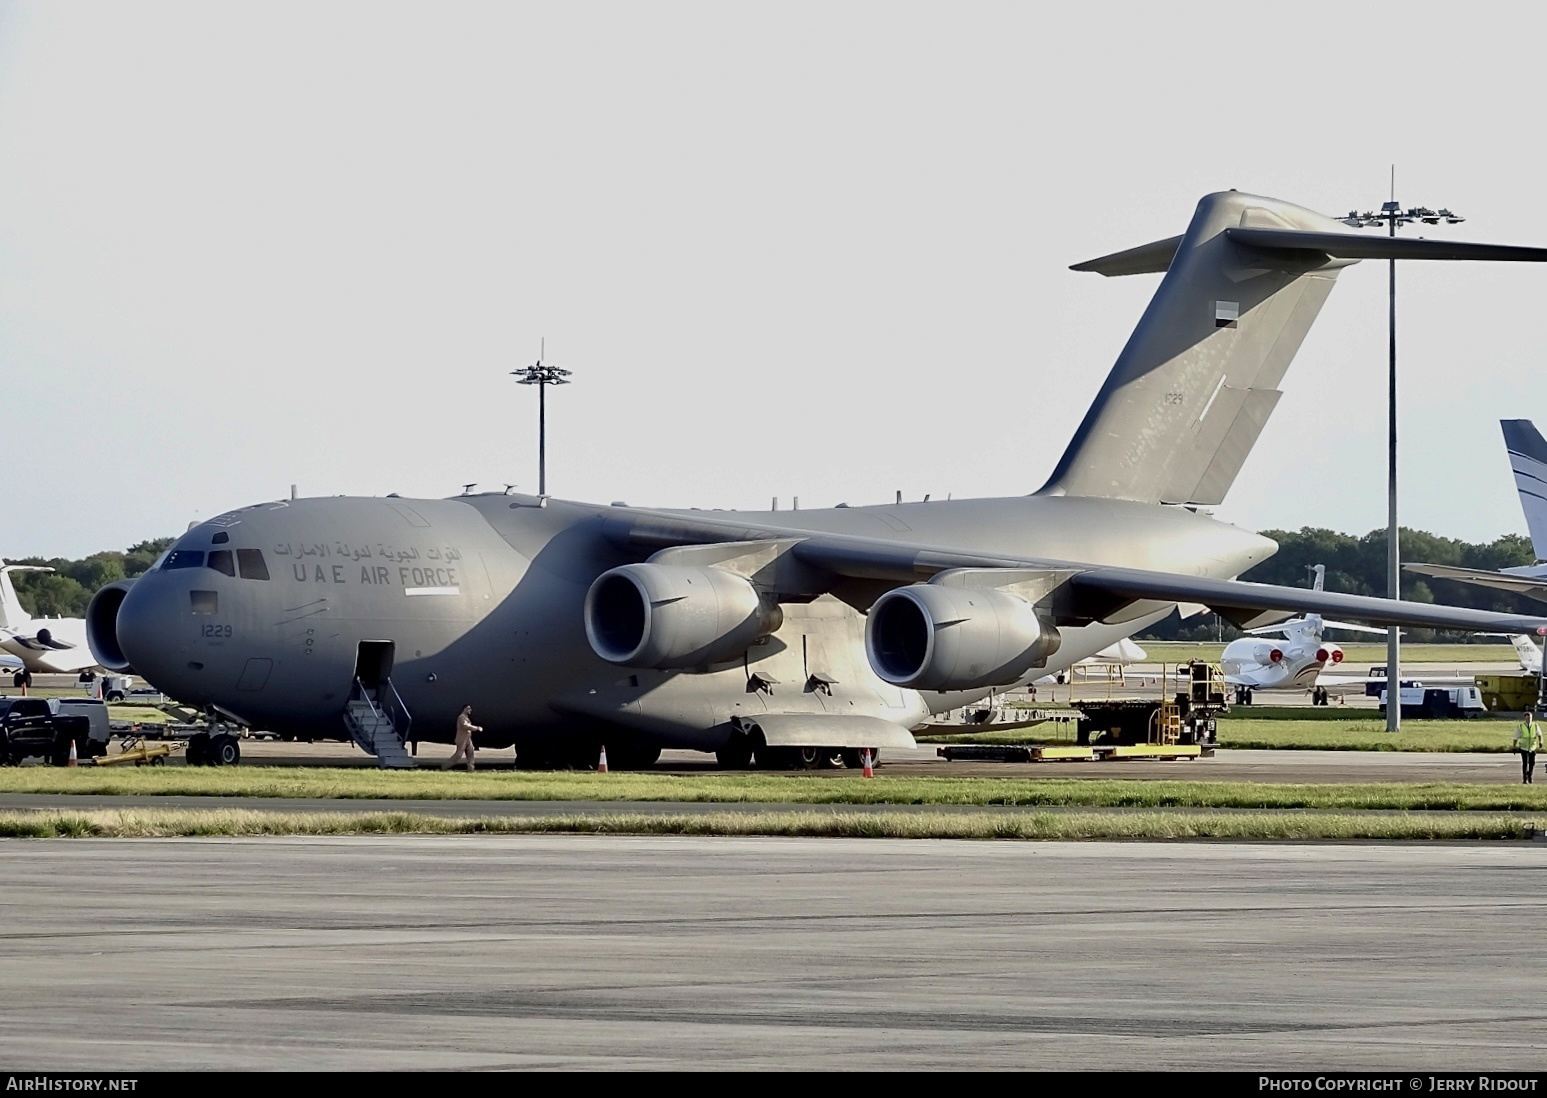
[542,375]
[1392,215]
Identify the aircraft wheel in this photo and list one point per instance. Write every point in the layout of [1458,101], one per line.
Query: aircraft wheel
[736,754]
[583,754]
[633,757]
[776,758]
[225,751]
[539,755]
[809,758]
[851,758]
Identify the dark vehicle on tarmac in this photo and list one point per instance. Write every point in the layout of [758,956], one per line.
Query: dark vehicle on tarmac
[39,728]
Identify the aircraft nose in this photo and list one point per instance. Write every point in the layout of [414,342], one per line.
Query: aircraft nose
[149,625]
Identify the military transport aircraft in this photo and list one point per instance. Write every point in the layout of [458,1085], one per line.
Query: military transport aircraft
[775,635]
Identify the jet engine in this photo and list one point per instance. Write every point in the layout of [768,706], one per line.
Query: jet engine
[1267,655]
[102,626]
[1329,653]
[661,615]
[930,636]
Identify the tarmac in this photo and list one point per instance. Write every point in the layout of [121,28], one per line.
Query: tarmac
[586,952]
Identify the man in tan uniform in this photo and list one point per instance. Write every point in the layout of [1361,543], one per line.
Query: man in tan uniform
[464,742]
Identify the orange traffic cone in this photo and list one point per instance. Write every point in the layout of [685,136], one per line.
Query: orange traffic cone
[72,761]
[870,769]
[601,763]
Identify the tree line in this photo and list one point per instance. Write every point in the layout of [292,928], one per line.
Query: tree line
[64,592]
[1355,566]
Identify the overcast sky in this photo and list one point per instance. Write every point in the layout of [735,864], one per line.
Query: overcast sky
[815,250]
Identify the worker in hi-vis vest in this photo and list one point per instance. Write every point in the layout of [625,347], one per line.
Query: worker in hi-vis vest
[1528,741]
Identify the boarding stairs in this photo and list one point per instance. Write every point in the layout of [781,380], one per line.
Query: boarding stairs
[379,723]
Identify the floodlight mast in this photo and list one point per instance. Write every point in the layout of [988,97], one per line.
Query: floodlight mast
[1392,215]
[542,375]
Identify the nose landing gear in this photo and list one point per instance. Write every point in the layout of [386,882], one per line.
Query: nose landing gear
[218,746]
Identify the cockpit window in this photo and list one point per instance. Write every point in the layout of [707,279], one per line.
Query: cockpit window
[220,538]
[184,558]
[220,560]
[251,562]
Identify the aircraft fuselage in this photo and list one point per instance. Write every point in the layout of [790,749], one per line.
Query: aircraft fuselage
[482,597]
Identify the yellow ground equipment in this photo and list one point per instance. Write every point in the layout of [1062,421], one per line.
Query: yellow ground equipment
[1508,693]
[137,751]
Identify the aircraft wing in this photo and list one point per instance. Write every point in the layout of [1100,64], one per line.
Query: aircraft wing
[1531,586]
[1069,592]
[41,650]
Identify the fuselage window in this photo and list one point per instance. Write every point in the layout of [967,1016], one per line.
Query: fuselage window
[251,562]
[184,558]
[220,560]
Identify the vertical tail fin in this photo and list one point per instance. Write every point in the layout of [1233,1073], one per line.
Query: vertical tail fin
[1321,575]
[12,616]
[1193,389]
[1528,460]
[1529,655]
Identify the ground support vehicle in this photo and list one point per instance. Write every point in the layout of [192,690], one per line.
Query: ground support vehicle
[140,753]
[1180,723]
[37,727]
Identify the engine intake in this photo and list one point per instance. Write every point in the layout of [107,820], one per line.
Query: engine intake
[668,616]
[102,626]
[930,636]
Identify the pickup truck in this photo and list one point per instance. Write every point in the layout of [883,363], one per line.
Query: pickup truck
[32,727]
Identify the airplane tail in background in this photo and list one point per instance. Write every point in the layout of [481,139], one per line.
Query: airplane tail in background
[1528,460]
[12,616]
[1195,385]
[11,613]
[1529,655]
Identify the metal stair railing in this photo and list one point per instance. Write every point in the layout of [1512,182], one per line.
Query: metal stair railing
[397,712]
[360,693]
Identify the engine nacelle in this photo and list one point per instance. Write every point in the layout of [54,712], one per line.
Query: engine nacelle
[931,636]
[665,616]
[102,626]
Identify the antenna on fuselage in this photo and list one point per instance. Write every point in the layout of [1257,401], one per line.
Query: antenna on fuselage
[467,489]
[508,487]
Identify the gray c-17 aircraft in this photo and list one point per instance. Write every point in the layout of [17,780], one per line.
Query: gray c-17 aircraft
[788,636]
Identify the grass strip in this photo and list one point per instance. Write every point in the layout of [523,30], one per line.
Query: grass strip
[1363,735]
[793,788]
[1318,733]
[153,823]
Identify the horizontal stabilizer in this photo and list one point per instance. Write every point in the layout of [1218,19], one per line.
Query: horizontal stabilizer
[1354,246]
[1145,259]
[1531,586]
[1352,626]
